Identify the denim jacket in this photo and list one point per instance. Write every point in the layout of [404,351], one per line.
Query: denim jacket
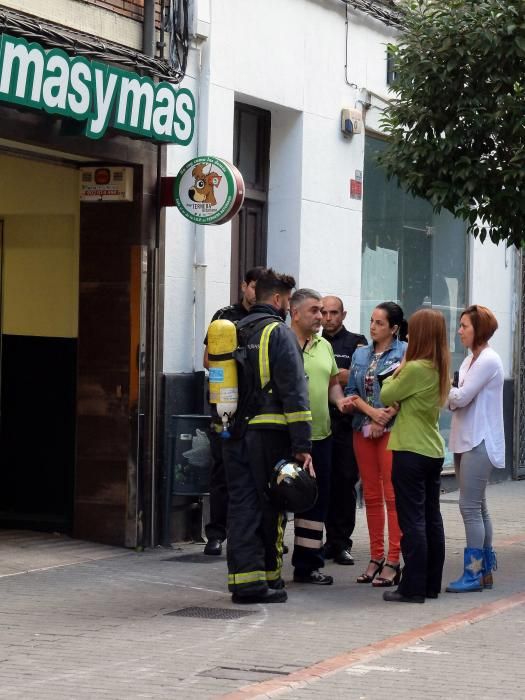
[360,363]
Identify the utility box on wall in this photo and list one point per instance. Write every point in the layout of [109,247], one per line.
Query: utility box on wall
[187,465]
[190,455]
[351,122]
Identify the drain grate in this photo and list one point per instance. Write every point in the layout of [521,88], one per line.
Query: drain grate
[196,558]
[242,673]
[212,613]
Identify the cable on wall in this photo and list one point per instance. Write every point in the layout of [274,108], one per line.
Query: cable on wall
[78,44]
[176,24]
[387,11]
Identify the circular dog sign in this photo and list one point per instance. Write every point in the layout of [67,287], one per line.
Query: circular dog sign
[208,190]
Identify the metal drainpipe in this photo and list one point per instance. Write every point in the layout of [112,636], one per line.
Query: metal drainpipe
[149,49]
[148,28]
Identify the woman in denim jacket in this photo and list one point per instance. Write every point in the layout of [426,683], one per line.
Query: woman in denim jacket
[371,425]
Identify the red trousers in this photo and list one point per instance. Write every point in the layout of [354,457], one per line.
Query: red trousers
[375,469]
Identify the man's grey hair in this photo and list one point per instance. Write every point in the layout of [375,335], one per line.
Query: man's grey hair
[303,294]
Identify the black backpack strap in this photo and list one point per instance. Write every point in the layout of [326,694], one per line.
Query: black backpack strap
[219,358]
[247,376]
[247,331]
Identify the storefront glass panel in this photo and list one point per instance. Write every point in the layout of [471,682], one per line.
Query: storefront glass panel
[411,255]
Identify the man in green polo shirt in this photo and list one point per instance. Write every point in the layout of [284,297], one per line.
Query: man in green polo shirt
[323,387]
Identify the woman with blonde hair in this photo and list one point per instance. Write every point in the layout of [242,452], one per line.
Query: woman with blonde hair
[420,387]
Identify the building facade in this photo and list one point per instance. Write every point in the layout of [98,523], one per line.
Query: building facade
[86,104]
[105,304]
[274,78]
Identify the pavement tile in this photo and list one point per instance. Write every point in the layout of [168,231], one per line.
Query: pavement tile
[99,627]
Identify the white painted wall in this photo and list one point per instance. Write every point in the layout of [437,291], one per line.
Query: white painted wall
[285,191]
[492,284]
[288,56]
[180,254]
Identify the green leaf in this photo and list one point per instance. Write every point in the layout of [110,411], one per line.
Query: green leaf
[457,126]
[520,42]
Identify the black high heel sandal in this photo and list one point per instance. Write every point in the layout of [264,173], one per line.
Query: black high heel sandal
[368,578]
[382,582]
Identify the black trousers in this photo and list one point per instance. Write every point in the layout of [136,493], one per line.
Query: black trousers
[255,528]
[216,528]
[417,481]
[308,554]
[340,522]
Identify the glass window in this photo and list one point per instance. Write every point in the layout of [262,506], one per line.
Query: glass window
[410,255]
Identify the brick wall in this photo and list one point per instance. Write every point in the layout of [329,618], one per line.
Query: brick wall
[134,9]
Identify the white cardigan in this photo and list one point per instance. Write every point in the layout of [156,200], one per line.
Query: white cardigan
[477,406]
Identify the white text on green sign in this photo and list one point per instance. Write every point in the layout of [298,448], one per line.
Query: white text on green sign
[94,92]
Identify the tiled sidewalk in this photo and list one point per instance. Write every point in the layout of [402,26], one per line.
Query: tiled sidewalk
[104,628]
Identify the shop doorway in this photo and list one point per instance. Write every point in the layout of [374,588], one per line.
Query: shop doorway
[72,354]
[38,343]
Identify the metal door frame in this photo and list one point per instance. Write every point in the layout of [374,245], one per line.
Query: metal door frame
[1,307]
[518,462]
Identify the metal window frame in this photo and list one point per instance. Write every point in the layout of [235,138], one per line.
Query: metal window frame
[518,462]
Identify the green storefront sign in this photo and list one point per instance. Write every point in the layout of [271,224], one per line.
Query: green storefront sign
[99,94]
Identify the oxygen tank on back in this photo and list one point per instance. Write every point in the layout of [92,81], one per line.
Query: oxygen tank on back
[224,388]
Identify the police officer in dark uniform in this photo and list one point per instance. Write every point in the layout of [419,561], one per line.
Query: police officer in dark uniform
[340,521]
[272,422]
[216,528]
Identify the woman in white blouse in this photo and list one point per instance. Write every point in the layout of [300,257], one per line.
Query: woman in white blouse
[477,440]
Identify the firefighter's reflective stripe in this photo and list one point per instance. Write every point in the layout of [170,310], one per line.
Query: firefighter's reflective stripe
[264,356]
[247,577]
[274,575]
[308,533]
[297,416]
[268,418]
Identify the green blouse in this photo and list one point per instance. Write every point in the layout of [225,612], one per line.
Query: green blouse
[416,389]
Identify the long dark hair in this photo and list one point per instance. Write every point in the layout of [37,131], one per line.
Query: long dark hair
[395,316]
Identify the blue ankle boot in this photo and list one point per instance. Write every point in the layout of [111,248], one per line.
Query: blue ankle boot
[490,564]
[472,577]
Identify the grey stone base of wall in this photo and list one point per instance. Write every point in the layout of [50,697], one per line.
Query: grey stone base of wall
[180,517]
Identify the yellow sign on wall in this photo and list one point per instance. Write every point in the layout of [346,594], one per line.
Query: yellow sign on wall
[40,248]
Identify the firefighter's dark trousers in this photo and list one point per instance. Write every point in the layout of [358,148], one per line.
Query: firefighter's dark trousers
[340,521]
[255,529]
[216,528]
[308,554]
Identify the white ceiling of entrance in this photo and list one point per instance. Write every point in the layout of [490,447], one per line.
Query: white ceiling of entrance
[15,147]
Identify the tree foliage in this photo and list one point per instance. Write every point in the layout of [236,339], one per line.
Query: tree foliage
[457,122]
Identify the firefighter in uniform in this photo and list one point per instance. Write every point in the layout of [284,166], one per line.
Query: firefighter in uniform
[340,521]
[274,419]
[216,528]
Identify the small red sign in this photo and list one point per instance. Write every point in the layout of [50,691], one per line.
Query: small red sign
[102,176]
[356,189]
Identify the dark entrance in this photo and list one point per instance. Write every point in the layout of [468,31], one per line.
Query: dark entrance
[252,128]
[38,343]
[76,422]
[37,431]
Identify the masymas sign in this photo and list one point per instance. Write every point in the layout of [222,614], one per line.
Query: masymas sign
[101,95]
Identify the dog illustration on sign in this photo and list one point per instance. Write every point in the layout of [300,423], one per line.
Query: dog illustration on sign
[205,184]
